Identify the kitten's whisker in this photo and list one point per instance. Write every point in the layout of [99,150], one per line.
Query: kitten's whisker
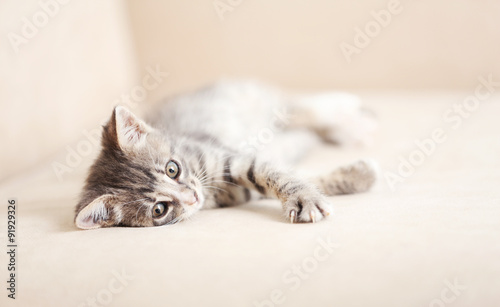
[224,156]
[217,176]
[216,188]
[227,182]
[203,154]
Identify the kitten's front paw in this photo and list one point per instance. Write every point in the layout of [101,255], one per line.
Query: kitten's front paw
[307,208]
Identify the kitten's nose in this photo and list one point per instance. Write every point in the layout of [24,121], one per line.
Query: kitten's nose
[189,198]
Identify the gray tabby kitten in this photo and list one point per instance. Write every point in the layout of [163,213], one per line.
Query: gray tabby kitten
[213,148]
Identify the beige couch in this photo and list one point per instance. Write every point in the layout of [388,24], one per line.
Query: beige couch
[432,241]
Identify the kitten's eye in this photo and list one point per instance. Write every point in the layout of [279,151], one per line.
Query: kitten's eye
[159,209]
[173,170]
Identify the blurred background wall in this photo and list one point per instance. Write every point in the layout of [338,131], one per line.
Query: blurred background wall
[62,64]
[61,74]
[422,44]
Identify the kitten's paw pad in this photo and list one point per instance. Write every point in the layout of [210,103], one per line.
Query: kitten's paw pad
[307,210]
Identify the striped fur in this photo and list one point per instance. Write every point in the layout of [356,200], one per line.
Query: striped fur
[205,134]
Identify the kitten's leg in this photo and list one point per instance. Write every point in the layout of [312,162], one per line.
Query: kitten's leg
[301,199]
[336,117]
[354,178]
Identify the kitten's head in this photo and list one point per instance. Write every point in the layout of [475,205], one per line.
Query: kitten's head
[138,179]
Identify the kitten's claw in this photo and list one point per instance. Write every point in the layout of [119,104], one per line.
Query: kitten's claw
[293,214]
[310,208]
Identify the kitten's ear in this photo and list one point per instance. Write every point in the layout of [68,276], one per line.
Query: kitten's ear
[96,214]
[125,129]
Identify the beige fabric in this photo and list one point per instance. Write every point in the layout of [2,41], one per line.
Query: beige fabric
[421,44]
[57,82]
[403,248]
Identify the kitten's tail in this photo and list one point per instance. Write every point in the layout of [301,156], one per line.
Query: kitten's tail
[354,178]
